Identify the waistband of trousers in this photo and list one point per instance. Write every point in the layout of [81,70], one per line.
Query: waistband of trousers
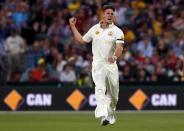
[102,61]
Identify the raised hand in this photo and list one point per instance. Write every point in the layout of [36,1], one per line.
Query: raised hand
[72,21]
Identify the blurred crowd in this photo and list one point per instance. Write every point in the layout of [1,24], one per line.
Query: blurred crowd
[36,43]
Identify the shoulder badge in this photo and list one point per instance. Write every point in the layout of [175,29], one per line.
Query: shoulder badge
[110,33]
[97,32]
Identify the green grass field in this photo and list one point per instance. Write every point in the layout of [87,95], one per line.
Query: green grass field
[85,121]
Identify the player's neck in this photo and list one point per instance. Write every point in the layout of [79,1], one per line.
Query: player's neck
[104,24]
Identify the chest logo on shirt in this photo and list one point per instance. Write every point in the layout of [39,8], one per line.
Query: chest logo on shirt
[97,32]
[110,33]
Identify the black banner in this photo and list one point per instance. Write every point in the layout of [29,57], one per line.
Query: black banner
[52,98]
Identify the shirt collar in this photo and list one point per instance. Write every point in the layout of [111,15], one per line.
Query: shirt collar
[110,25]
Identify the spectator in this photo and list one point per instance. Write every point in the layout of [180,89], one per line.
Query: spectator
[171,60]
[56,28]
[53,74]
[60,63]
[162,48]
[129,35]
[56,42]
[51,54]
[126,76]
[2,51]
[68,75]
[34,53]
[39,73]
[178,46]
[178,24]
[9,25]
[14,46]
[20,16]
[2,60]
[120,13]
[145,47]
[73,6]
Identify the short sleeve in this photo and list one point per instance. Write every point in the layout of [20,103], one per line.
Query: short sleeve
[88,36]
[119,37]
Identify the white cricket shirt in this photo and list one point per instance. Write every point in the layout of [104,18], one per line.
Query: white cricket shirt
[103,41]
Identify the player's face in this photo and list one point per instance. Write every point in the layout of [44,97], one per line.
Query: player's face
[109,15]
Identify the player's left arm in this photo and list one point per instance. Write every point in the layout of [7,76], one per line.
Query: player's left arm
[117,54]
[118,47]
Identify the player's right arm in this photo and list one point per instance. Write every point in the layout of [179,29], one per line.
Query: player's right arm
[76,33]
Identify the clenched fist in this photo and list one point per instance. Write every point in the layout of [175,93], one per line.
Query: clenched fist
[72,21]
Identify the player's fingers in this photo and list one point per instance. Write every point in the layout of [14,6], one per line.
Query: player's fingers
[71,19]
[74,19]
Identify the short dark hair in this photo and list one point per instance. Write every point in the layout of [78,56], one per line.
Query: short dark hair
[108,6]
[13,30]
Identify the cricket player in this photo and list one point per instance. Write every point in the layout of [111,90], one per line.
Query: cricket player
[107,40]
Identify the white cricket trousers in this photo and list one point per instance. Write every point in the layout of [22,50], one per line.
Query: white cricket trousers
[106,79]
